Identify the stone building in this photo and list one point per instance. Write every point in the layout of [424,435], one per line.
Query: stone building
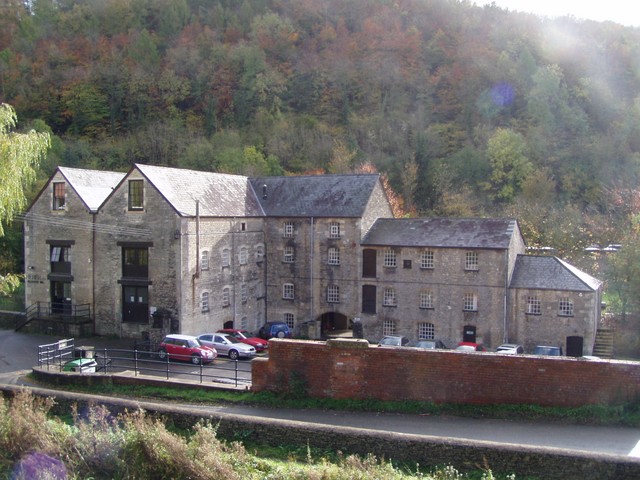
[159,250]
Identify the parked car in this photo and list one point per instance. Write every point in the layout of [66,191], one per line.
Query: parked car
[260,344]
[187,348]
[274,330]
[393,341]
[227,344]
[549,351]
[431,344]
[510,349]
[470,347]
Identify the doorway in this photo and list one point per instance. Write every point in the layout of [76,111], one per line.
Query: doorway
[60,297]
[469,333]
[574,346]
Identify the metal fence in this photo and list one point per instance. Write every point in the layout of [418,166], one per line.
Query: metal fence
[64,355]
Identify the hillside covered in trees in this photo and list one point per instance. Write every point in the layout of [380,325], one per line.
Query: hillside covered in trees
[467,110]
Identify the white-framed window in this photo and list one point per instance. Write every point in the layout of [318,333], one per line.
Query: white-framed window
[204,301]
[388,327]
[471,261]
[288,291]
[426,331]
[389,297]
[534,305]
[259,253]
[565,307]
[136,194]
[243,293]
[426,259]
[287,229]
[226,257]
[288,255]
[334,230]
[243,256]
[390,258]
[333,256]
[204,260]
[426,299]
[289,319]
[470,302]
[333,294]
[244,323]
[59,201]
[226,296]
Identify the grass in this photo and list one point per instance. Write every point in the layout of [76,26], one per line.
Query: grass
[628,415]
[93,444]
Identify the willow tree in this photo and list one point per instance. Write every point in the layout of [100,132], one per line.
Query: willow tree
[20,155]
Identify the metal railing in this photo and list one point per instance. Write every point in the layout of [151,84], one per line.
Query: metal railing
[58,316]
[58,355]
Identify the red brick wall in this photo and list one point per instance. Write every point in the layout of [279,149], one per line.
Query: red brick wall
[354,369]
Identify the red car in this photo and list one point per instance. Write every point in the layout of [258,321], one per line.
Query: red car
[186,348]
[245,337]
[470,347]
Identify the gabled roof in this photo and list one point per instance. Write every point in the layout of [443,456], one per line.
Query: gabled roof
[551,273]
[218,194]
[315,195]
[493,233]
[92,186]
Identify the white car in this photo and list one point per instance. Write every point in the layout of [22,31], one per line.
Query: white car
[227,344]
[510,349]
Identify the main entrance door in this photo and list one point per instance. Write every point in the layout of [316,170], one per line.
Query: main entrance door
[60,297]
[574,346]
[135,304]
[469,333]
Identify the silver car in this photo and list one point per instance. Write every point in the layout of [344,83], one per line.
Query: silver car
[227,344]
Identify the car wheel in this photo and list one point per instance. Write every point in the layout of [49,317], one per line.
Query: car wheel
[162,354]
[280,334]
[233,354]
[195,359]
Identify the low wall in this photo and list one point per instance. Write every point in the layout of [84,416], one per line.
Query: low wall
[351,368]
[412,450]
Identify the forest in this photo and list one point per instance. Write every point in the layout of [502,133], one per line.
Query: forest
[465,110]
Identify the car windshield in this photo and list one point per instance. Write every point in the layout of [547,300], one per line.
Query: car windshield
[240,335]
[195,343]
[232,339]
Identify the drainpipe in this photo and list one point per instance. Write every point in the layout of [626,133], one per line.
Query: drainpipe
[233,275]
[505,336]
[93,271]
[196,275]
[311,256]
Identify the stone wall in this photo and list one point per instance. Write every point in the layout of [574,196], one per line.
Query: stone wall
[354,369]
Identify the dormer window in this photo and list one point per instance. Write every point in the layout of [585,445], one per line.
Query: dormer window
[136,195]
[59,202]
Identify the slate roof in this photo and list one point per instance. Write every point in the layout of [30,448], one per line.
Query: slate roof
[219,194]
[493,233]
[551,273]
[92,186]
[315,195]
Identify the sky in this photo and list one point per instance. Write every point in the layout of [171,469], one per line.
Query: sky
[625,12]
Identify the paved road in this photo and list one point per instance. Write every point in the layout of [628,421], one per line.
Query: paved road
[17,356]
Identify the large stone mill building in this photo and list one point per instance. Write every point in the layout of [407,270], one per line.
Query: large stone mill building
[159,250]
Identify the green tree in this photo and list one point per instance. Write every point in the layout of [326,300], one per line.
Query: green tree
[509,164]
[20,155]
[623,274]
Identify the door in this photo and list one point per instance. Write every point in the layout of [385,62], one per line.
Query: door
[469,333]
[135,304]
[60,297]
[574,346]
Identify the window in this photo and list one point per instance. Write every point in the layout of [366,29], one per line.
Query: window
[204,260]
[289,319]
[369,303]
[243,293]
[226,297]
[534,306]
[369,260]
[60,261]
[406,264]
[287,291]
[471,261]
[388,327]
[59,202]
[470,302]
[136,195]
[334,230]
[204,302]
[244,323]
[259,253]
[226,257]
[426,259]
[389,297]
[390,258]
[287,230]
[333,294]
[426,331]
[333,256]
[289,255]
[135,262]
[243,257]
[426,299]
[565,307]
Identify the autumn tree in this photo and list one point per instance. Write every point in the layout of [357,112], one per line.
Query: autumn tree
[20,155]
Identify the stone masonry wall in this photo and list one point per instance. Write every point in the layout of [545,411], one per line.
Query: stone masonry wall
[354,369]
